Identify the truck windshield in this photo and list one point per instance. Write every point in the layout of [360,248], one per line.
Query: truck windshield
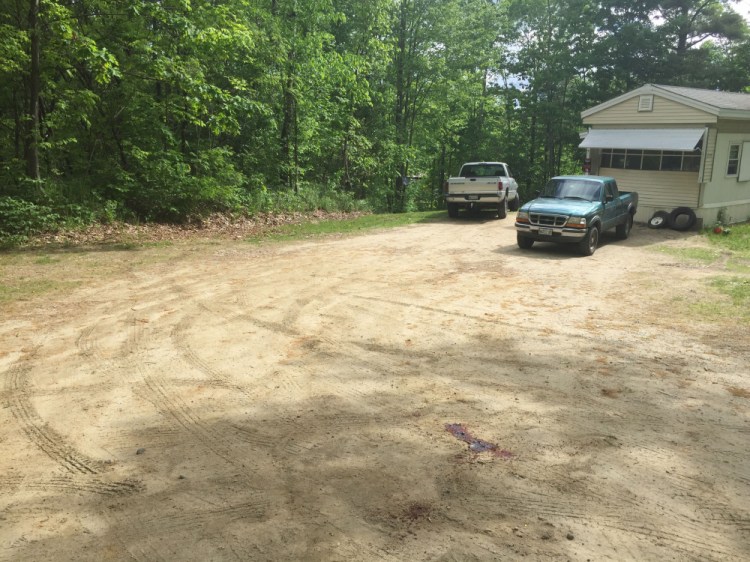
[482,171]
[561,188]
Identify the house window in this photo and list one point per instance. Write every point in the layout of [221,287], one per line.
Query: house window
[633,160]
[671,161]
[652,160]
[734,160]
[691,162]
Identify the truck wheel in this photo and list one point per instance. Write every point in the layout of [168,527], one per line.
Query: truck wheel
[502,211]
[453,210]
[682,218]
[588,245]
[659,219]
[523,242]
[515,204]
[623,230]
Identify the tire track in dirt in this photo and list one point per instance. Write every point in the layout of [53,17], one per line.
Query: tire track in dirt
[85,470]
[282,379]
[284,439]
[160,393]
[79,484]
[213,375]
[36,429]
[135,529]
[149,537]
[157,391]
[303,348]
[696,539]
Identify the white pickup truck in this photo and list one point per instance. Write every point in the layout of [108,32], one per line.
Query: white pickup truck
[482,185]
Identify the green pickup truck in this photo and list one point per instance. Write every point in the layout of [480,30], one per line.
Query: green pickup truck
[576,210]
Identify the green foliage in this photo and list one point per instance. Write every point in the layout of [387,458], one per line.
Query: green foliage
[306,199]
[171,110]
[19,218]
[738,239]
[734,243]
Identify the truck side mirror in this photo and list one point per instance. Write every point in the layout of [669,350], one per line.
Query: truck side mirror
[609,197]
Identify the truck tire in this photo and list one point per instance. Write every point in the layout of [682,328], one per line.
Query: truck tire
[682,218]
[502,211]
[659,219]
[590,242]
[514,204]
[523,242]
[623,230]
[453,210]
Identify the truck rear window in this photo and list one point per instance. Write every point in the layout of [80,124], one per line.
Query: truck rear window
[482,171]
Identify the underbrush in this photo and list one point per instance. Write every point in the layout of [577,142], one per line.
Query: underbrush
[23,221]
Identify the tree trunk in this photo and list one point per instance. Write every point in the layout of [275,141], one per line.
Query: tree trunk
[287,127]
[400,108]
[31,142]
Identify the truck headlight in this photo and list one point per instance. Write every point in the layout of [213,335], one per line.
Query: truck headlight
[522,216]
[577,222]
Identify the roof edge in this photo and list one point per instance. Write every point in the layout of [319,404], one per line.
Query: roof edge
[657,90]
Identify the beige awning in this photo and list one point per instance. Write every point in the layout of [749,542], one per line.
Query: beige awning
[644,139]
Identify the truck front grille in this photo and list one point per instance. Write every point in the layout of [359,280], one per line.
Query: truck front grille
[548,220]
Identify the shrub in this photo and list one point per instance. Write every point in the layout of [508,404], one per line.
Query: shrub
[19,217]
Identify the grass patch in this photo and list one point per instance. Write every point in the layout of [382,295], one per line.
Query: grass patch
[738,239]
[736,288]
[365,223]
[46,260]
[705,255]
[728,301]
[26,289]
[736,244]
[725,298]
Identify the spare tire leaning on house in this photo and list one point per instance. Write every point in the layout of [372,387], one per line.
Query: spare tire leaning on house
[660,219]
[682,218]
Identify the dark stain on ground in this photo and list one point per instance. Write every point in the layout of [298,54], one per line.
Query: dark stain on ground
[460,432]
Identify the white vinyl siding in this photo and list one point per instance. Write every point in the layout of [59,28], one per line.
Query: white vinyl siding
[734,127]
[665,112]
[657,191]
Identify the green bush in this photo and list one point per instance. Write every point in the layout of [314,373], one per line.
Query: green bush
[20,218]
[307,199]
[165,186]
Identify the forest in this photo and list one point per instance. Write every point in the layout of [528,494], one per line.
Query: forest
[171,110]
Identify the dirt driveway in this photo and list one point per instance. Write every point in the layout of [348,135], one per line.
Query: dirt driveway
[425,393]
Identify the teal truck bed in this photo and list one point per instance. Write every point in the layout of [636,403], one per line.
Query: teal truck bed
[576,210]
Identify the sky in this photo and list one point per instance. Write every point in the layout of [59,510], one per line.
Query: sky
[743,8]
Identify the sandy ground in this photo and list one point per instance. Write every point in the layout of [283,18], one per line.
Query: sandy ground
[226,401]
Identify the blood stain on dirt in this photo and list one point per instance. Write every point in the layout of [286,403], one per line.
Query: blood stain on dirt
[460,432]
